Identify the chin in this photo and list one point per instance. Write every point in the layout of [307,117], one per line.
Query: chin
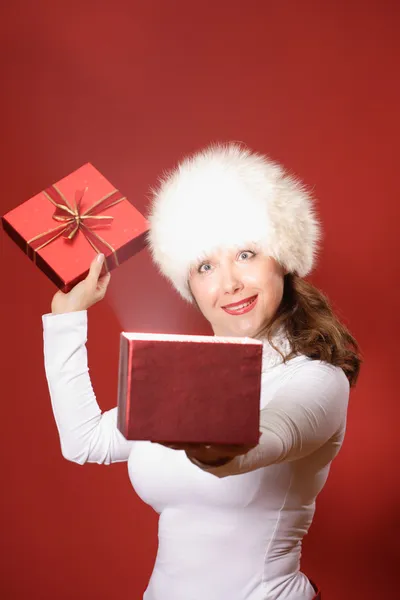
[246,331]
[247,328]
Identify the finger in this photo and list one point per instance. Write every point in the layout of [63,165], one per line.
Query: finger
[181,446]
[173,446]
[95,269]
[103,282]
[241,449]
[238,448]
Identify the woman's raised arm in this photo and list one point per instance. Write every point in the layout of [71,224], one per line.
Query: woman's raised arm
[86,434]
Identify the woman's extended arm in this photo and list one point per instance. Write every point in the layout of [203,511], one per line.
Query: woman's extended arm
[306,412]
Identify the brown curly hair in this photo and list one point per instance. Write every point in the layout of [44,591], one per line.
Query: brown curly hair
[312,328]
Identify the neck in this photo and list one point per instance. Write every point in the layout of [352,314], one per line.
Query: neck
[272,357]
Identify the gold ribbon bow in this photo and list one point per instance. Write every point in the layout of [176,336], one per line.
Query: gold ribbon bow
[74,220]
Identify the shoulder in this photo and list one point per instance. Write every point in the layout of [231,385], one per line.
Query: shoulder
[305,378]
[304,367]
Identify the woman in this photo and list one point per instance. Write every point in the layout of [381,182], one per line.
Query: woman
[234,234]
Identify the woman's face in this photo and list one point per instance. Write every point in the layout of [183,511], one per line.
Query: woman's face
[237,291]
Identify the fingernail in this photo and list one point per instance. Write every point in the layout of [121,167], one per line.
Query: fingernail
[100,258]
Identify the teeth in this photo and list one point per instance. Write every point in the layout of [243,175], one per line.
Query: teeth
[242,305]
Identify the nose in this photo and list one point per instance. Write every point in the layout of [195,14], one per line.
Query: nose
[230,280]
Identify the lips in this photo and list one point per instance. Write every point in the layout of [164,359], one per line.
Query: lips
[241,307]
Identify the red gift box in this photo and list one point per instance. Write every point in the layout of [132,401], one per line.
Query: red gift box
[63,227]
[189,389]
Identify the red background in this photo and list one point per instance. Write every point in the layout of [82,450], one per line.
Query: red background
[131,87]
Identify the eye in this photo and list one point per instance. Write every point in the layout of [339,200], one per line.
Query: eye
[246,254]
[204,268]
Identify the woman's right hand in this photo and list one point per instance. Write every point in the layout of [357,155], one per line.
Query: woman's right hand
[85,293]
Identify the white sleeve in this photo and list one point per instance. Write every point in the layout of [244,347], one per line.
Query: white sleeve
[306,412]
[86,434]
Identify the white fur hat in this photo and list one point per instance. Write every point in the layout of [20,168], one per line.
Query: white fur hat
[228,197]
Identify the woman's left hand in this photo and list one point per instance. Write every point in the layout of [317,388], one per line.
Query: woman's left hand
[209,454]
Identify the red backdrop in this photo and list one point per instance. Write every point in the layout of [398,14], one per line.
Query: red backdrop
[132,86]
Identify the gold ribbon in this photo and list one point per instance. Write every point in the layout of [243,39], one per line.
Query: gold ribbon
[74,220]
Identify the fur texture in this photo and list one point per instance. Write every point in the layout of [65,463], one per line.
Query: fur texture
[229,197]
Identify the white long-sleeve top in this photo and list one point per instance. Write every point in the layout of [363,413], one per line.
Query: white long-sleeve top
[225,533]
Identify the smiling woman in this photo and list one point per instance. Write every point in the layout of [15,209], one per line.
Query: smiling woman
[235,235]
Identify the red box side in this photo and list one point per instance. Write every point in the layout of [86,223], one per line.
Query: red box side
[124,370]
[42,264]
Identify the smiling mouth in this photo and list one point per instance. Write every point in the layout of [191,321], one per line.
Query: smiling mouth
[239,308]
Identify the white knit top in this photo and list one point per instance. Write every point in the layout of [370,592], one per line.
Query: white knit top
[225,533]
